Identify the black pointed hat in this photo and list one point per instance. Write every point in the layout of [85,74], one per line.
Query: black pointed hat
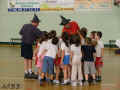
[35,19]
[64,20]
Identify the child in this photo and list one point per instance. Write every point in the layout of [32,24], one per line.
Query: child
[40,54]
[89,51]
[65,58]
[51,35]
[92,35]
[83,33]
[76,56]
[99,56]
[48,62]
[57,63]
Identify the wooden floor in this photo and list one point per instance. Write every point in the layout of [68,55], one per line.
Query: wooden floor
[11,70]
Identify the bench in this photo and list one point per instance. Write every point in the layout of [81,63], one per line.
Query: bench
[112,43]
[15,40]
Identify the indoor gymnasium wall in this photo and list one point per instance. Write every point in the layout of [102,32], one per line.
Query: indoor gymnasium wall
[108,21]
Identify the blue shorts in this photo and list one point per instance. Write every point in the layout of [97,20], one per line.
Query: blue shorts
[66,60]
[48,65]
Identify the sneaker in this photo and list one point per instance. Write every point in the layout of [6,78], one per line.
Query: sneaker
[64,83]
[86,83]
[26,75]
[80,83]
[35,76]
[74,84]
[94,82]
[32,75]
[56,82]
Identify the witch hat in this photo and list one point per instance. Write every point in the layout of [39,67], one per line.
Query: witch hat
[35,19]
[64,20]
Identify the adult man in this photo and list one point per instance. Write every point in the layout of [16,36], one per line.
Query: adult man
[29,33]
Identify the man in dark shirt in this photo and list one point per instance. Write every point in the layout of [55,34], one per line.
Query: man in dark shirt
[29,33]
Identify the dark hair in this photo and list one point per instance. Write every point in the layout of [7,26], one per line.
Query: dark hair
[65,38]
[88,41]
[45,35]
[52,34]
[41,39]
[83,32]
[99,33]
[93,33]
[55,41]
[75,39]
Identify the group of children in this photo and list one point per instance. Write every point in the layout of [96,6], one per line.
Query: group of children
[77,56]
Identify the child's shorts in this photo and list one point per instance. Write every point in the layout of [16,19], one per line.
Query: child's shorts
[40,62]
[66,60]
[48,65]
[98,62]
[89,68]
[57,61]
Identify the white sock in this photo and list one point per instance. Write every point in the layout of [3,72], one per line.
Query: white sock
[26,72]
[39,77]
[65,81]
[30,71]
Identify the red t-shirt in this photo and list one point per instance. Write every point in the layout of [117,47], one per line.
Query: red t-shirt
[74,27]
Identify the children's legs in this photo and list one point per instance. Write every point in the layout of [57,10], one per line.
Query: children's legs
[26,66]
[86,70]
[69,72]
[80,75]
[51,68]
[82,63]
[74,72]
[57,72]
[65,72]
[39,72]
[45,67]
[99,71]
[93,76]
[86,77]
[30,66]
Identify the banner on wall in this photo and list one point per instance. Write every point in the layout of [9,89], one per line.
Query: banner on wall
[56,5]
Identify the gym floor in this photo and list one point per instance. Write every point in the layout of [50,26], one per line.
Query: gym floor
[12,71]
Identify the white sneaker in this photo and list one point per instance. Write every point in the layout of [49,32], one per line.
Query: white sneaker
[57,82]
[64,82]
[74,84]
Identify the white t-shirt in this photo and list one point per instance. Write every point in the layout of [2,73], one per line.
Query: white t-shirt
[65,48]
[77,54]
[51,50]
[50,41]
[99,47]
[42,47]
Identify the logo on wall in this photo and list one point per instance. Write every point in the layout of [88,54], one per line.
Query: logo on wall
[57,5]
